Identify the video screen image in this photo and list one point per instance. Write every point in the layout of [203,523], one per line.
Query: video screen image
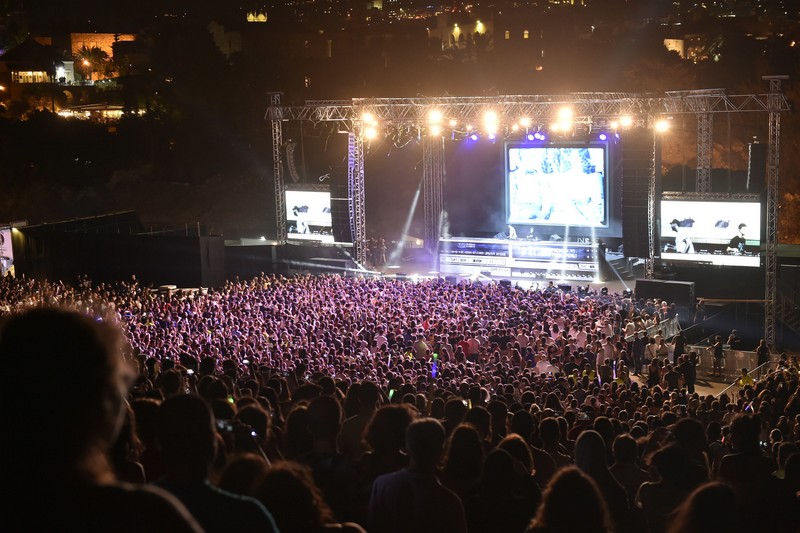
[715,232]
[308,215]
[557,185]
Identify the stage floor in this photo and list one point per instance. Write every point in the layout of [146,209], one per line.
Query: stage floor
[418,264]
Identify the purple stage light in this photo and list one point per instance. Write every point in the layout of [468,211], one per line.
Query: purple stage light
[603,137]
[531,136]
[474,136]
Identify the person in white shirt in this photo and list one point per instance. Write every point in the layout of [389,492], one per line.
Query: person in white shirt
[542,364]
[630,328]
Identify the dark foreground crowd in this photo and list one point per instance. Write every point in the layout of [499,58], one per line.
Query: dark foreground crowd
[318,403]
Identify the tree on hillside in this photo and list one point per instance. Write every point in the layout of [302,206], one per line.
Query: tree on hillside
[91,60]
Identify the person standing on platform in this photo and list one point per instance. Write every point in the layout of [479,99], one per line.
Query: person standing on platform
[718,355]
[734,340]
[762,351]
[639,342]
[688,368]
[382,253]
[679,346]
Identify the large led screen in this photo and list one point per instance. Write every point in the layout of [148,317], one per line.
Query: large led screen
[6,253]
[713,232]
[308,215]
[557,185]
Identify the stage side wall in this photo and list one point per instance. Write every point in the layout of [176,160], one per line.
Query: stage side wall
[157,260]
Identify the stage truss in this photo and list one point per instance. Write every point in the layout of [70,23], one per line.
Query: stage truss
[590,111]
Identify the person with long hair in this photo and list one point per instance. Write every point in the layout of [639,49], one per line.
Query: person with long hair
[710,507]
[571,502]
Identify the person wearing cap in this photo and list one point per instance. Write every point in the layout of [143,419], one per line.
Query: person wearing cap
[683,244]
[734,341]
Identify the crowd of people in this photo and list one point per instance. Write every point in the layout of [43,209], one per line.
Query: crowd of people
[325,402]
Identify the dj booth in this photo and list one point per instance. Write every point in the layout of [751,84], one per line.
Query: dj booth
[520,259]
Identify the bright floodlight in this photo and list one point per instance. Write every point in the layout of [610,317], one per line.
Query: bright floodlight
[525,122]
[368,118]
[626,121]
[435,130]
[490,121]
[434,116]
[453,123]
[565,114]
[370,132]
[515,127]
[662,125]
[603,137]
[614,124]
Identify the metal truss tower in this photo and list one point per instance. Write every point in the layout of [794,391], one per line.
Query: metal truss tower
[355,194]
[776,105]
[274,115]
[703,103]
[705,149]
[433,173]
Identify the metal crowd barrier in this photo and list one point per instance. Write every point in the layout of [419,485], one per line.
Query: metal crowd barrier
[668,328]
[733,361]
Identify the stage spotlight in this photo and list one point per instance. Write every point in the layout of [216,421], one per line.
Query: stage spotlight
[453,123]
[565,114]
[531,136]
[614,125]
[490,122]
[626,121]
[602,137]
[662,125]
[515,128]
[435,130]
[434,116]
[368,118]
[370,132]
[525,122]
[474,136]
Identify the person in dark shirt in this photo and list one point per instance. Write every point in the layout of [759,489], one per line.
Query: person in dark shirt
[734,340]
[738,242]
[718,354]
[687,366]
[672,378]
[187,436]
[762,351]
[679,346]
[413,499]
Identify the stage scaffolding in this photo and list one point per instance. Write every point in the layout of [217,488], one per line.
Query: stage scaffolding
[590,111]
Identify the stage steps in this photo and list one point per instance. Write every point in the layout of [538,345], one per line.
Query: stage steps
[627,268]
